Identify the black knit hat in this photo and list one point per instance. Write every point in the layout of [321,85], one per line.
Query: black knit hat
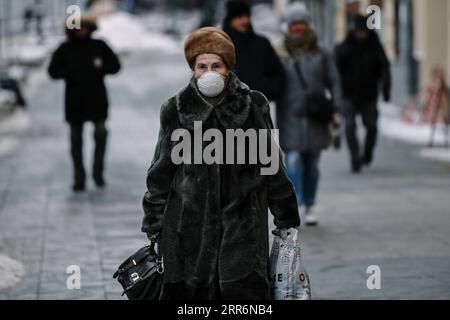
[360,22]
[237,8]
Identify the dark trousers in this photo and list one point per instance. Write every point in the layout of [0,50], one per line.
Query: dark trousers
[369,115]
[76,150]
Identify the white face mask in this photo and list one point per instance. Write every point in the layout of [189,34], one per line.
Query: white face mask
[211,84]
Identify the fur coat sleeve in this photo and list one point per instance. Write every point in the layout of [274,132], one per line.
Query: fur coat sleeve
[159,176]
[280,191]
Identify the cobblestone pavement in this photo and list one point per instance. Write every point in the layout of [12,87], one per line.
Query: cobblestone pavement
[395,215]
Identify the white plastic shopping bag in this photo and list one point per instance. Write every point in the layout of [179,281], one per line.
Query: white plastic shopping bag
[289,280]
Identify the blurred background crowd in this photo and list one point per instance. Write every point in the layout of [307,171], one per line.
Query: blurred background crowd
[415,34]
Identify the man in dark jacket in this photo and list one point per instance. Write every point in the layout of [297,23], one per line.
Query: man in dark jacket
[363,65]
[257,64]
[83,63]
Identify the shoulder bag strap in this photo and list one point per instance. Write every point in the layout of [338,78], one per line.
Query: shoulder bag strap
[325,77]
[324,74]
[299,73]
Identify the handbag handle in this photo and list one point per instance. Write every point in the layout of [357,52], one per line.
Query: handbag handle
[160,268]
[155,239]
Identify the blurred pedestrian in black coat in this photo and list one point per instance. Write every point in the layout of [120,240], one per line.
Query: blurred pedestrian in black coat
[83,63]
[364,68]
[257,64]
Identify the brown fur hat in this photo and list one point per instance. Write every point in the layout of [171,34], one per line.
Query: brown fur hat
[210,40]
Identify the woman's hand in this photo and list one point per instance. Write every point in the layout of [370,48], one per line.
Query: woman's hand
[282,233]
[153,237]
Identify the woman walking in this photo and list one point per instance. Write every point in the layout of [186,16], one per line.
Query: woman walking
[213,218]
[308,68]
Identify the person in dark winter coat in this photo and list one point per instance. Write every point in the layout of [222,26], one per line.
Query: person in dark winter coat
[364,68]
[83,62]
[303,137]
[213,218]
[257,63]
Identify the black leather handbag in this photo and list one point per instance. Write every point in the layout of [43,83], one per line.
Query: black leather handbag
[318,106]
[141,275]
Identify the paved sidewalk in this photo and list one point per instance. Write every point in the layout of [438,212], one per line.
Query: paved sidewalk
[395,215]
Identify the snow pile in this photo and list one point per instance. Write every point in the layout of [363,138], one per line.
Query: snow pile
[392,126]
[10,272]
[414,133]
[30,51]
[438,154]
[30,54]
[6,98]
[17,72]
[125,33]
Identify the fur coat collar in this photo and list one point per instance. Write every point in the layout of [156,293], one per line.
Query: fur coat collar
[232,110]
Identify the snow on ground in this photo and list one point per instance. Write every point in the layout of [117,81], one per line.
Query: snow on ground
[392,126]
[442,155]
[29,50]
[29,54]
[125,33]
[182,21]
[10,272]
[6,98]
